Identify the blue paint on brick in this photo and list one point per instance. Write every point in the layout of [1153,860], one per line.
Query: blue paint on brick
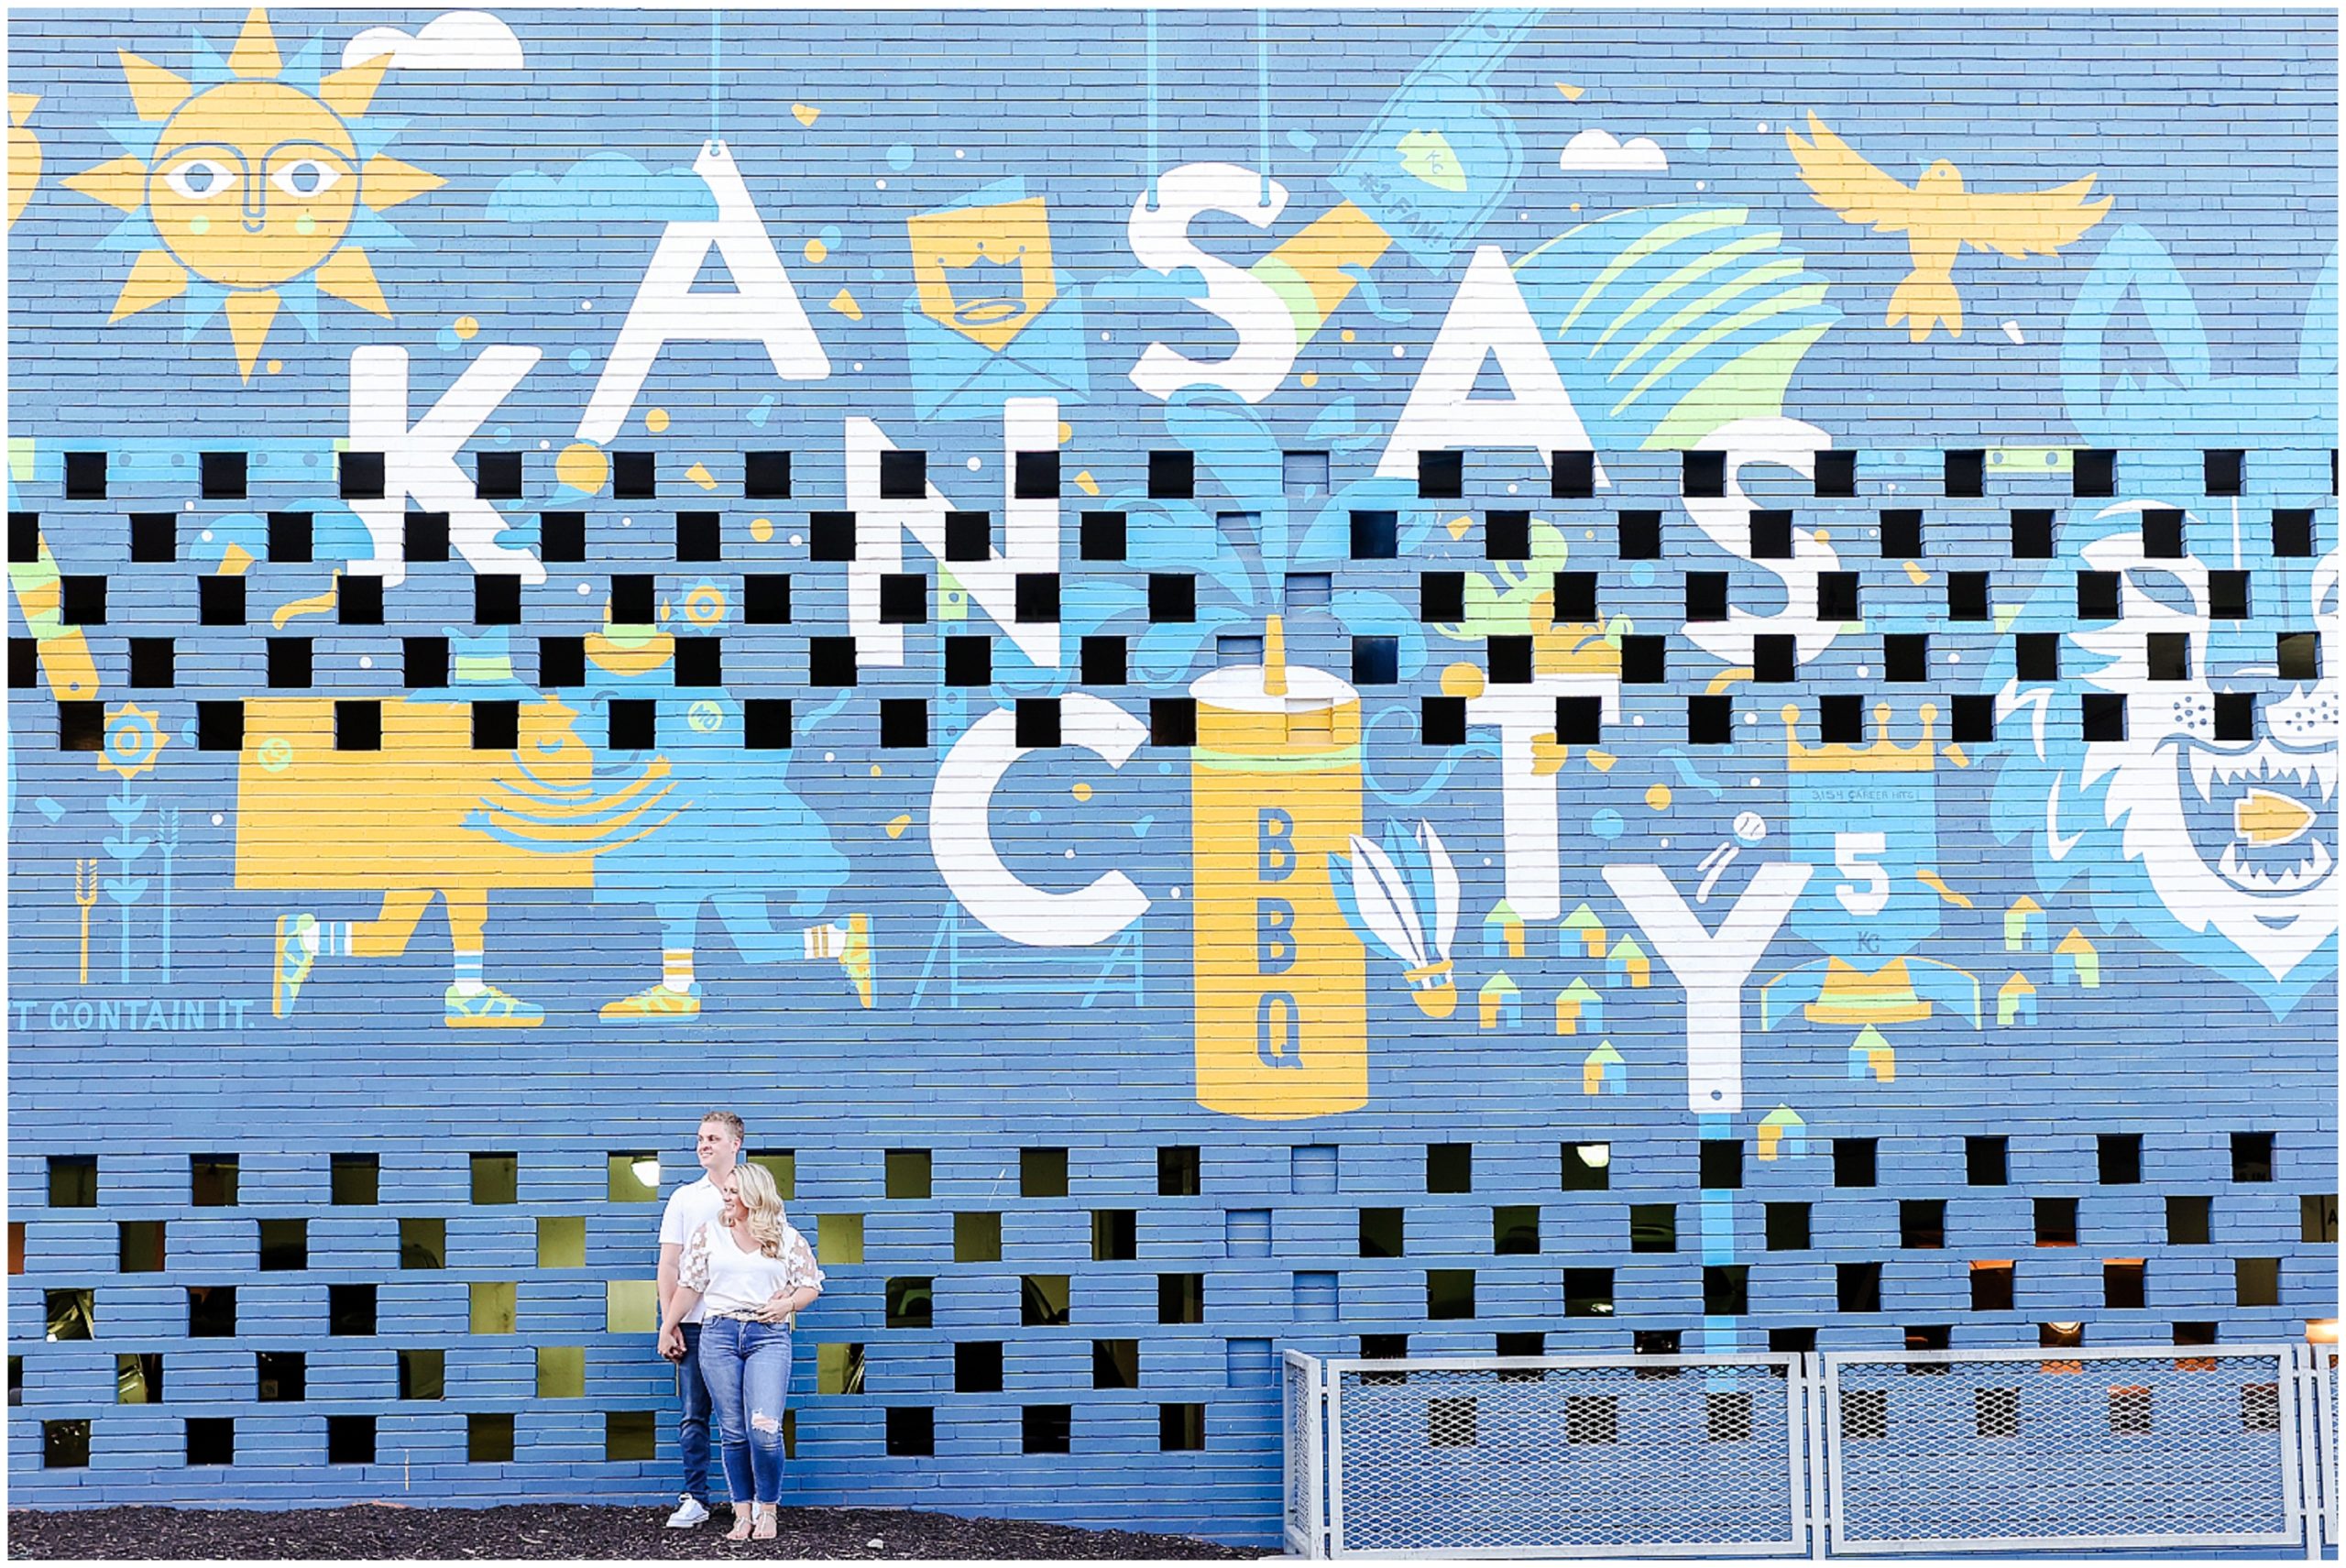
[2197,316]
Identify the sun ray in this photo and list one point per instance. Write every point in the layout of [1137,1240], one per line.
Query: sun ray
[250,310]
[254,56]
[386,182]
[154,278]
[202,146]
[120,183]
[154,92]
[348,275]
[349,91]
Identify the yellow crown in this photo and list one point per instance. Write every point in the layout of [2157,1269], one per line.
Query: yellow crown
[1882,757]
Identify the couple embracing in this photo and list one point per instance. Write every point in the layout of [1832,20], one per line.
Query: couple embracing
[734,1276]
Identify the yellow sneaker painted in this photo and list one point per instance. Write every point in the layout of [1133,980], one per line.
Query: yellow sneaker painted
[855,957]
[652,1003]
[489,1008]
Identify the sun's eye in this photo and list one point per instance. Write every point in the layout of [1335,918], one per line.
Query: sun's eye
[201,179]
[304,177]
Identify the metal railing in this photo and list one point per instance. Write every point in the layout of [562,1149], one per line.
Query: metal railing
[2319,1384]
[2201,1446]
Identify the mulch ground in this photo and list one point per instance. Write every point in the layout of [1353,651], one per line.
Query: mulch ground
[369,1530]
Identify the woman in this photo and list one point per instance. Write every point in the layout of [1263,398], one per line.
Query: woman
[756,1274]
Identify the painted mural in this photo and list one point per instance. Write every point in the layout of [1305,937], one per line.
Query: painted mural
[1261,617]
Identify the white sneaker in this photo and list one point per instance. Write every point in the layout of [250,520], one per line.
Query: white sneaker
[690,1511]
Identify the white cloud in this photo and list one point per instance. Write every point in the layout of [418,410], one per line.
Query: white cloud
[1601,152]
[459,40]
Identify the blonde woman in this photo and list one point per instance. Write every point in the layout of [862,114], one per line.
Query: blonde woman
[752,1275]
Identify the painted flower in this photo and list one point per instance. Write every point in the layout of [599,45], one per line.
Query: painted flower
[134,740]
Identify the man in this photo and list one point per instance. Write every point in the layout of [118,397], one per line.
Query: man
[689,1208]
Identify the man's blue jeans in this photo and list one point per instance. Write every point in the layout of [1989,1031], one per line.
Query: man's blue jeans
[747,1366]
[692,1422]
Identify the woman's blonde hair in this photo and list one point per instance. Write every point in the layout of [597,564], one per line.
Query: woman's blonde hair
[762,1199]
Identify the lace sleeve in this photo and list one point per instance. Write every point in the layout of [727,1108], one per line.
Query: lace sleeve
[804,1273]
[692,1269]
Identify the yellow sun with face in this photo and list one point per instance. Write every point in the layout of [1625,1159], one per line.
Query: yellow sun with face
[257,190]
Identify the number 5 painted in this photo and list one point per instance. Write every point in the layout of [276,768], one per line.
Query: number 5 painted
[1854,855]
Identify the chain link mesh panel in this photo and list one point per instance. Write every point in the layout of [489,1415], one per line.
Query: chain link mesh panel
[1302,1419]
[1662,1455]
[1967,1450]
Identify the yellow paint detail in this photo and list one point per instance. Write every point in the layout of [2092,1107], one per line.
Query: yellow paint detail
[1657,797]
[1548,759]
[1851,996]
[1916,574]
[1280,981]
[268,131]
[1309,272]
[317,604]
[1571,93]
[805,114]
[256,52]
[1310,378]
[1931,881]
[119,182]
[699,475]
[844,303]
[348,91]
[630,650]
[348,275]
[1086,483]
[1939,217]
[582,466]
[705,605]
[155,93]
[1080,790]
[1461,680]
[896,825]
[275,365]
[397,817]
[761,529]
[1490,1002]
[1601,761]
[816,251]
[985,271]
[1459,526]
[467,327]
[1066,433]
[154,278]
[386,182]
[250,312]
[235,561]
[63,650]
[2262,817]
[656,421]
[875,770]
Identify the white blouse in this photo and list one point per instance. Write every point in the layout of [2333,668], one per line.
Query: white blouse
[735,1283]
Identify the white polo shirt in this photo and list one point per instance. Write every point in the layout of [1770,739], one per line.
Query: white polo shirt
[690,1207]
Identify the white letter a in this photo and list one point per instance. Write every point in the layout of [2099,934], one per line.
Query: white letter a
[763,306]
[1486,317]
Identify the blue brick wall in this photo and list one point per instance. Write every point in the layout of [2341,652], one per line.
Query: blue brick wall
[2065,883]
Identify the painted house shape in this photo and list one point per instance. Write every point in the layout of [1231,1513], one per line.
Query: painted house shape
[1578,1003]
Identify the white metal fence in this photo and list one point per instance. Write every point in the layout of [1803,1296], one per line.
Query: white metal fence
[1924,1452]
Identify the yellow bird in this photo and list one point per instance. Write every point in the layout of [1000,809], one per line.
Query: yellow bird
[1939,217]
